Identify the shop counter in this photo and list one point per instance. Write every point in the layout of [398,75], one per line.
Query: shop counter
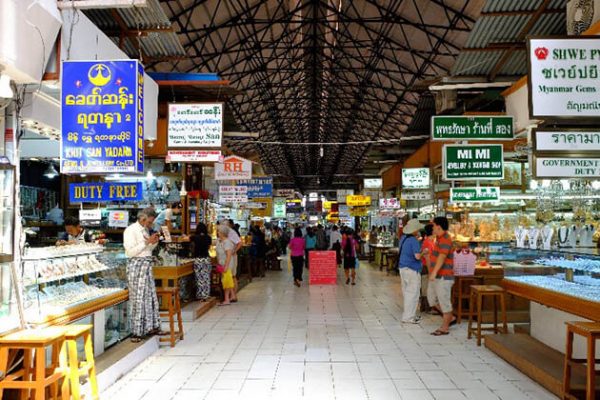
[181,276]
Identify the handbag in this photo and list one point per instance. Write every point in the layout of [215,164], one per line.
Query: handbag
[220,268]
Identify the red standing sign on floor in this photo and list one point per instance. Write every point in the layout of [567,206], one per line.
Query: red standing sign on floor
[323,267]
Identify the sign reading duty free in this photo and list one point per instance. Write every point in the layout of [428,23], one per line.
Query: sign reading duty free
[473,162]
[105,192]
[453,127]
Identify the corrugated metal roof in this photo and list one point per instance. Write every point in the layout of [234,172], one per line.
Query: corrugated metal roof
[519,5]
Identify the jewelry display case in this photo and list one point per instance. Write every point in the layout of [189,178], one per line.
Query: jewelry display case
[7,212]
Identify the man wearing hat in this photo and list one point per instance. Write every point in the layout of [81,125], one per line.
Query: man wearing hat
[410,266]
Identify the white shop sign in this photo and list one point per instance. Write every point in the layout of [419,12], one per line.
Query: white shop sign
[233,198]
[393,203]
[233,190]
[562,141]
[561,167]
[90,215]
[287,193]
[416,195]
[342,193]
[564,77]
[195,125]
[415,178]
[193,156]
[233,168]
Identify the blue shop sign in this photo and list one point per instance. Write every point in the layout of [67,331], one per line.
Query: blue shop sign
[102,112]
[103,192]
[258,187]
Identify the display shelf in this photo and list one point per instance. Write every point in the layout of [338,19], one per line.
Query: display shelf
[80,252]
[43,281]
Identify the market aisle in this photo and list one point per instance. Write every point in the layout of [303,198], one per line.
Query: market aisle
[339,342]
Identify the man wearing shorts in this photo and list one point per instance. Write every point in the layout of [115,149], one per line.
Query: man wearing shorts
[441,275]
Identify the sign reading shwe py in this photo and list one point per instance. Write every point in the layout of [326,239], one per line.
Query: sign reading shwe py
[564,78]
[415,178]
[473,162]
[105,192]
[195,125]
[233,168]
[102,117]
[453,127]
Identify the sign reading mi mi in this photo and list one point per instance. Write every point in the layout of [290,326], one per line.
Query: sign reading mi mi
[473,162]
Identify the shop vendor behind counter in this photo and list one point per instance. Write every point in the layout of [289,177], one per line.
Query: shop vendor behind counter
[74,233]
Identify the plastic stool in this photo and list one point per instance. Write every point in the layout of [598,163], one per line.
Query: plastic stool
[591,332]
[478,292]
[87,367]
[171,296]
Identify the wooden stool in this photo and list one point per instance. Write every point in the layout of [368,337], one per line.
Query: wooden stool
[392,262]
[87,367]
[478,292]
[384,254]
[371,253]
[590,331]
[34,375]
[462,292]
[171,296]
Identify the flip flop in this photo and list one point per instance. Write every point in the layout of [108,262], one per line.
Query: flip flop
[453,322]
[440,333]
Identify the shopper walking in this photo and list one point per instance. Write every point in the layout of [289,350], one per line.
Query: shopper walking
[427,246]
[297,246]
[234,236]
[335,243]
[225,252]
[143,302]
[441,276]
[410,270]
[349,245]
[311,244]
[257,251]
[202,265]
[321,238]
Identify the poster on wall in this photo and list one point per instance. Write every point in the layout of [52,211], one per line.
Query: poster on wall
[473,162]
[102,117]
[415,178]
[233,168]
[195,125]
[463,127]
[563,78]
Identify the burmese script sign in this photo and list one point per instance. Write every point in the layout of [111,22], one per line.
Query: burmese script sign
[416,195]
[453,127]
[567,167]
[415,178]
[564,77]
[473,162]
[195,125]
[475,194]
[323,267]
[561,141]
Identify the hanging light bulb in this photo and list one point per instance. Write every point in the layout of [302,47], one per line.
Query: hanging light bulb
[6,91]
[321,152]
[51,172]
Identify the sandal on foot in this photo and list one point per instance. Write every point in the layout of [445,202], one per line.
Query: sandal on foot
[440,333]
[453,322]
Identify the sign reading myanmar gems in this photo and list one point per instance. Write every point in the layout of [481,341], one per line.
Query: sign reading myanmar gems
[195,125]
[102,192]
[475,194]
[564,78]
[102,111]
[233,168]
[455,127]
[473,162]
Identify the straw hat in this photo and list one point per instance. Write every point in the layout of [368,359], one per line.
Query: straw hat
[412,226]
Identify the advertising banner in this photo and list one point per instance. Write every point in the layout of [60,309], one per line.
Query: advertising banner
[103,192]
[258,187]
[487,194]
[195,125]
[572,167]
[389,203]
[454,127]
[233,168]
[279,207]
[323,267]
[565,141]
[190,156]
[102,117]
[473,162]
[415,178]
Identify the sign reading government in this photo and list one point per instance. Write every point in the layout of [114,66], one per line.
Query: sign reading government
[566,167]
[102,112]
[233,168]
[195,125]
[564,77]
[454,127]
[102,192]
[473,162]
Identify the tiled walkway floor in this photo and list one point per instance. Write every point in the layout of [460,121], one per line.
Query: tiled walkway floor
[327,342]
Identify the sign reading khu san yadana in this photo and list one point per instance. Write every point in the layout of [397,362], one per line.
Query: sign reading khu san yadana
[475,194]
[102,192]
[102,117]
[473,162]
[564,77]
[451,127]
[576,167]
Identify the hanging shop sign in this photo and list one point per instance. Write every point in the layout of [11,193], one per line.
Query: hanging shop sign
[266,209]
[195,125]
[233,194]
[573,167]
[358,200]
[191,156]
[103,192]
[343,210]
[287,193]
[473,162]
[258,187]
[564,78]
[359,211]
[327,205]
[454,127]
[416,195]
[90,215]
[487,194]
[118,219]
[342,194]
[279,207]
[293,205]
[373,183]
[233,168]
[415,178]
[389,203]
[102,117]
[564,141]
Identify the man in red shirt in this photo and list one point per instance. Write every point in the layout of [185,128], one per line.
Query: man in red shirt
[441,275]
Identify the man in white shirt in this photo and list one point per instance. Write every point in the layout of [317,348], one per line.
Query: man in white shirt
[143,301]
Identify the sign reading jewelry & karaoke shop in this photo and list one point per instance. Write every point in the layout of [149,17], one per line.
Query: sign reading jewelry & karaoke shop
[195,125]
[564,77]
[456,127]
[233,168]
[563,167]
[102,117]
[473,162]
[482,194]
[415,178]
[565,140]
[102,192]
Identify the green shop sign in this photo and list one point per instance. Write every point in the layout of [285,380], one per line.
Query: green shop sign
[475,194]
[471,128]
[473,162]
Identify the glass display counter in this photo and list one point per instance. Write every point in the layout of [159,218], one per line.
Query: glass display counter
[7,212]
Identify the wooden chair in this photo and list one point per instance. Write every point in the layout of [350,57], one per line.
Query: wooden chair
[87,367]
[462,293]
[591,332]
[478,293]
[173,309]
[35,375]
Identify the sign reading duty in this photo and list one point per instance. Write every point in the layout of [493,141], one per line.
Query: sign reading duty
[195,125]
[473,162]
[102,192]
[471,128]
[415,178]
[102,117]
[358,200]
[559,167]
[563,78]
[475,194]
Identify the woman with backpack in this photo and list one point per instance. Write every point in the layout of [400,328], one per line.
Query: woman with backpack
[349,246]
